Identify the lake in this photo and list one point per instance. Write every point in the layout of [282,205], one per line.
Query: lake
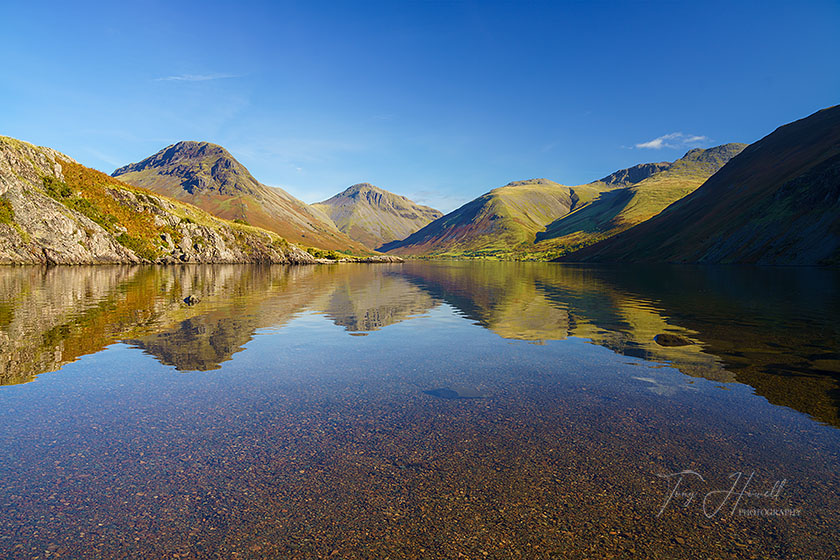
[423,410]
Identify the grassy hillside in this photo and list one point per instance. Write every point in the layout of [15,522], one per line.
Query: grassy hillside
[207,176]
[541,219]
[496,222]
[55,210]
[373,216]
[617,210]
[778,202]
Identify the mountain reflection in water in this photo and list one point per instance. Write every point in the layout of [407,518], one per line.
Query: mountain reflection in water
[773,329]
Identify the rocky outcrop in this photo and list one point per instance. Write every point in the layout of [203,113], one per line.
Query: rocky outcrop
[55,211]
[383,259]
[39,229]
[375,259]
[635,174]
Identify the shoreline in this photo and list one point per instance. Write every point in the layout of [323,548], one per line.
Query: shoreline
[373,259]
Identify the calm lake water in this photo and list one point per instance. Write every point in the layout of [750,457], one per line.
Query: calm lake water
[425,410]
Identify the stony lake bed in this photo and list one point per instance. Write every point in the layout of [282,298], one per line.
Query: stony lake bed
[419,410]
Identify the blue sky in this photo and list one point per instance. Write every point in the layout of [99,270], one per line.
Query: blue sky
[439,101]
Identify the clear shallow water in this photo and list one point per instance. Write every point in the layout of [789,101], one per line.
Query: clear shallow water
[315,411]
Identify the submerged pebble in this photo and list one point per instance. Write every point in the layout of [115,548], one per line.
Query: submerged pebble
[455,393]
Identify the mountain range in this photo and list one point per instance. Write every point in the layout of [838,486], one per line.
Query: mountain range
[634,201]
[777,202]
[209,177]
[540,218]
[495,222]
[373,216]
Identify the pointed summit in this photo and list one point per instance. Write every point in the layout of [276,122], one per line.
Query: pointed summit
[360,188]
[374,216]
[194,167]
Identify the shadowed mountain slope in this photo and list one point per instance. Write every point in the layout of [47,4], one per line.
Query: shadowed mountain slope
[209,177]
[777,202]
[373,216]
[619,209]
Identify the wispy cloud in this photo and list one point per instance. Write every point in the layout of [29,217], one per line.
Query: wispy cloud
[443,201]
[673,140]
[195,77]
[106,158]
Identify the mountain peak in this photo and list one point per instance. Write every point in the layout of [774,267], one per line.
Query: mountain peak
[374,216]
[635,174]
[706,160]
[539,181]
[715,154]
[360,188]
[200,166]
[363,186]
[183,150]
[188,145]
